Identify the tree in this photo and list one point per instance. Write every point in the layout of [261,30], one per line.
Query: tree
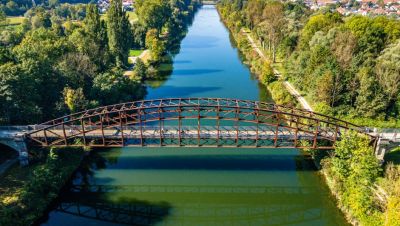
[324,88]
[267,74]
[370,101]
[319,22]
[40,18]
[354,169]
[153,13]
[274,20]
[75,99]
[78,71]
[17,96]
[139,36]
[388,72]
[95,43]
[155,45]
[37,54]
[343,47]
[140,69]
[254,12]
[119,32]
[114,87]
[3,18]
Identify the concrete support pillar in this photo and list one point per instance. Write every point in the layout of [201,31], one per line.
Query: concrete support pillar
[22,151]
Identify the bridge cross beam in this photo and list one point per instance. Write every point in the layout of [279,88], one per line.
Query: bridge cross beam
[198,125]
[160,122]
[278,121]
[179,123]
[316,134]
[218,122]
[120,116]
[256,113]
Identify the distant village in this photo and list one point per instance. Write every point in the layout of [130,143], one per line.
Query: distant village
[104,4]
[360,7]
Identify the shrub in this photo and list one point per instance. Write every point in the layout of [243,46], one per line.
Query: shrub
[280,95]
[267,74]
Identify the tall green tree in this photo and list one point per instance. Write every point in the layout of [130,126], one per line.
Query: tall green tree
[36,55]
[153,13]
[97,43]
[119,33]
[388,72]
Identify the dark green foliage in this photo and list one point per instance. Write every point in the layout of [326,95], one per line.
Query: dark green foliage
[354,169]
[139,36]
[140,69]
[41,187]
[119,33]
[114,87]
[48,56]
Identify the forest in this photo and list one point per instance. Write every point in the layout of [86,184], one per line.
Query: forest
[52,65]
[347,67]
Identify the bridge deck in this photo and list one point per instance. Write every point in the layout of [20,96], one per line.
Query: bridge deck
[243,136]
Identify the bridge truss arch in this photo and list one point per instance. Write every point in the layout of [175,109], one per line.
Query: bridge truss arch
[207,122]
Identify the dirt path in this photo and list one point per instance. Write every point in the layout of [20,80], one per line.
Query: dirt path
[287,84]
[133,60]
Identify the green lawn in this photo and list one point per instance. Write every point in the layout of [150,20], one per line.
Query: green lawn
[132,16]
[135,52]
[14,20]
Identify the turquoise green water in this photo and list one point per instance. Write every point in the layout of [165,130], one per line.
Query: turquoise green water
[198,186]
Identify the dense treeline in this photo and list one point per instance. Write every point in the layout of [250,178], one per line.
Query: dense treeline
[346,66]
[162,24]
[325,55]
[51,66]
[20,7]
[355,177]
[349,66]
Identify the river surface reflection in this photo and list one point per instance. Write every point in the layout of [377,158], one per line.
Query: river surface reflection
[198,186]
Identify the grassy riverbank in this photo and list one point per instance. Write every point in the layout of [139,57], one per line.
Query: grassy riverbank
[261,68]
[26,192]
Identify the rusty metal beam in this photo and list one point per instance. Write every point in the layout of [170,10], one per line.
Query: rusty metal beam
[288,120]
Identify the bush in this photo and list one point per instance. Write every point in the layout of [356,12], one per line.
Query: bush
[354,169]
[267,74]
[280,95]
[41,188]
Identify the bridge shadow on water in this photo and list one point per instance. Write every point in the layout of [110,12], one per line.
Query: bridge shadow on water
[174,204]
[201,159]
[220,162]
[95,206]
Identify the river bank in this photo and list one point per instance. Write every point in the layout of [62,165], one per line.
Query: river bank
[27,192]
[362,203]
[281,95]
[261,67]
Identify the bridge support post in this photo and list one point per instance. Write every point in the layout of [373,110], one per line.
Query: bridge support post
[383,146]
[22,151]
[19,145]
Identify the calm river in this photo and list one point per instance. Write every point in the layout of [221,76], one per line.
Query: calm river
[198,186]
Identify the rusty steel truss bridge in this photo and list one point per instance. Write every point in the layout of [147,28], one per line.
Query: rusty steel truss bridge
[200,122]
